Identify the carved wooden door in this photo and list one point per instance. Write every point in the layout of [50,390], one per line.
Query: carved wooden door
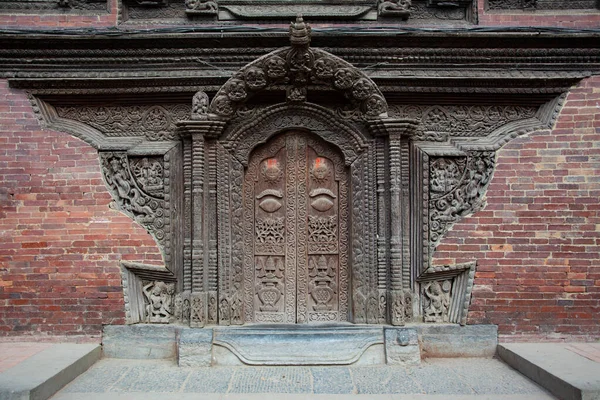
[295,196]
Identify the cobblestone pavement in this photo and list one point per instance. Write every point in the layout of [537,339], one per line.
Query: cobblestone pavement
[436,378]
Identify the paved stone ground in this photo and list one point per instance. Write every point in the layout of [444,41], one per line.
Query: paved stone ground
[12,353]
[435,378]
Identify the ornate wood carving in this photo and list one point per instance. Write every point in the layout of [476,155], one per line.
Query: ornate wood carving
[155,122]
[201,7]
[131,199]
[295,192]
[395,8]
[457,188]
[296,67]
[293,212]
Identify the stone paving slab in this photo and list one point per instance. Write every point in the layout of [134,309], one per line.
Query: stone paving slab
[43,373]
[561,371]
[12,353]
[435,379]
[278,396]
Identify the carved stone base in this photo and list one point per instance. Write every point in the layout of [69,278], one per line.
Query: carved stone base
[298,345]
[402,346]
[195,347]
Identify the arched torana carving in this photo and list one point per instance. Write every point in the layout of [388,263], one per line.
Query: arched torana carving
[296,67]
[241,140]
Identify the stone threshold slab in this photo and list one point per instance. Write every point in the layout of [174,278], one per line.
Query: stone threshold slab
[298,345]
[45,373]
[562,372]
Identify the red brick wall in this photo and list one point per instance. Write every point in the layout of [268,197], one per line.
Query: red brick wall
[578,19]
[538,240]
[60,244]
[45,20]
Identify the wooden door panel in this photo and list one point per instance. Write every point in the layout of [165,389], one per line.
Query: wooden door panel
[296,198]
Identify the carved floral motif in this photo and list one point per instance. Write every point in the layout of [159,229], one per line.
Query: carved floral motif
[322,234]
[465,120]
[269,235]
[152,122]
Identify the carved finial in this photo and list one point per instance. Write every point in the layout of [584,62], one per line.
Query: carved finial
[200,104]
[299,32]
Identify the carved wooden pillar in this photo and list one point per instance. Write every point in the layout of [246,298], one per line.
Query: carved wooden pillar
[399,296]
[200,201]
[383,226]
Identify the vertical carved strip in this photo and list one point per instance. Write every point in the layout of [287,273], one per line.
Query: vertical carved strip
[301,250]
[198,207]
[174,188]
[211,233]
[396,297]
[371,236]
[198,318]
[405,220]
[343,243]
[382,229]
[291,229]
[224,234]
[167,217]
[424,217]
[187,214]
[249,222]
[358,248]
[395,214]
[238,314]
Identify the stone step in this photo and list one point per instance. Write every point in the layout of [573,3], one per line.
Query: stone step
[564,373]
[299,345]
[45,373]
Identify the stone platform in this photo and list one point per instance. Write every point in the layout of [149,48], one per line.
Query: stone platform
[567,370]
[39,370]
[299,344]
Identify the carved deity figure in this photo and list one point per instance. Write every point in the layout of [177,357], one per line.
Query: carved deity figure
[437,302]
[159,298]
[200,104]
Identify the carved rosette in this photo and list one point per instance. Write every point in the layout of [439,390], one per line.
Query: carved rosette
[296,68]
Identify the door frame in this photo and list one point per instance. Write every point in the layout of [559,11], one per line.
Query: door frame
[366,290]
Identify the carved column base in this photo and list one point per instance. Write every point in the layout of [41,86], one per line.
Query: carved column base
[400,306]
[402,346]
[198,309]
